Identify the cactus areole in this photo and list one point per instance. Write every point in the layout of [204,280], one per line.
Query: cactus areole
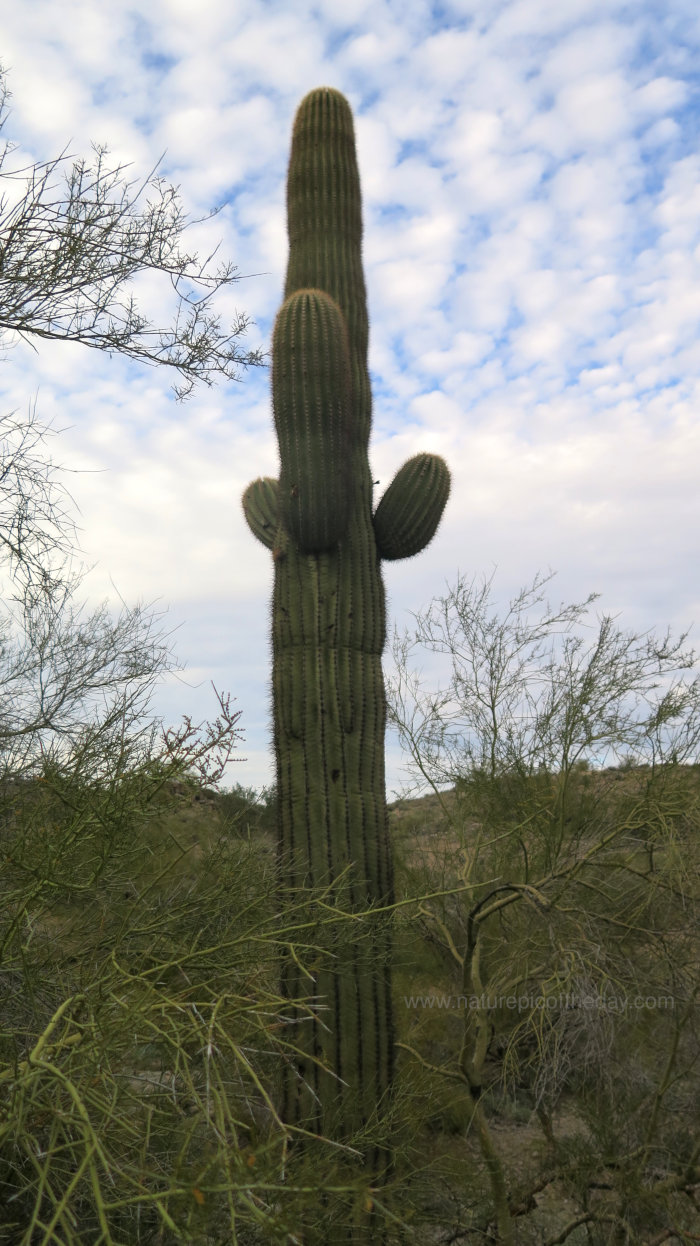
[328,625]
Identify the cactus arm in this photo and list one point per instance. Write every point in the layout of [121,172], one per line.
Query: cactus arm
[312,400]
[260,507]
[407,517]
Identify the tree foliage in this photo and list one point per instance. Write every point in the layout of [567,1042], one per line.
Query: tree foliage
[539,688]
[567,930]
[74,234]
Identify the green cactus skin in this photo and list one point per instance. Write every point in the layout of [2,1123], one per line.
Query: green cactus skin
[410,511]
[313,419]
[260,507]
[328,622]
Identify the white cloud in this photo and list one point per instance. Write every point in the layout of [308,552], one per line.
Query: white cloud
[450,56]
[660,95]
[592,54]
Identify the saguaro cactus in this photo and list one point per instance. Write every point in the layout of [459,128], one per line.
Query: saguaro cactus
[328,618]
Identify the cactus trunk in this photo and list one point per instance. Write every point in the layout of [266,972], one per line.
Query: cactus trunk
[329,717]
[328,626]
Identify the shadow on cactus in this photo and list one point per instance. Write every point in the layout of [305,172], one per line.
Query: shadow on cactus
[328,624]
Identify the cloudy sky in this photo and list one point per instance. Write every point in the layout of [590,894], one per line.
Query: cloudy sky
[531,180]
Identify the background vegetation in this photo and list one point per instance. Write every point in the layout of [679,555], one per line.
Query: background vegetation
[545,959]
[551,999]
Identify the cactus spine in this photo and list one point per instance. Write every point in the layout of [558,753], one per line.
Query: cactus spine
[328,615]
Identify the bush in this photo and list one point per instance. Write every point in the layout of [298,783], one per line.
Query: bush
[568,919]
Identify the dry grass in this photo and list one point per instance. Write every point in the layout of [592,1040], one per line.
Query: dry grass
[442,1190]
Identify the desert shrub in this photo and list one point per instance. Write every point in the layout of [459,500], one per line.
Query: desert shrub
[564,932]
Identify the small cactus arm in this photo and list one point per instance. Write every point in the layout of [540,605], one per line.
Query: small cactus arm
[328,620]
